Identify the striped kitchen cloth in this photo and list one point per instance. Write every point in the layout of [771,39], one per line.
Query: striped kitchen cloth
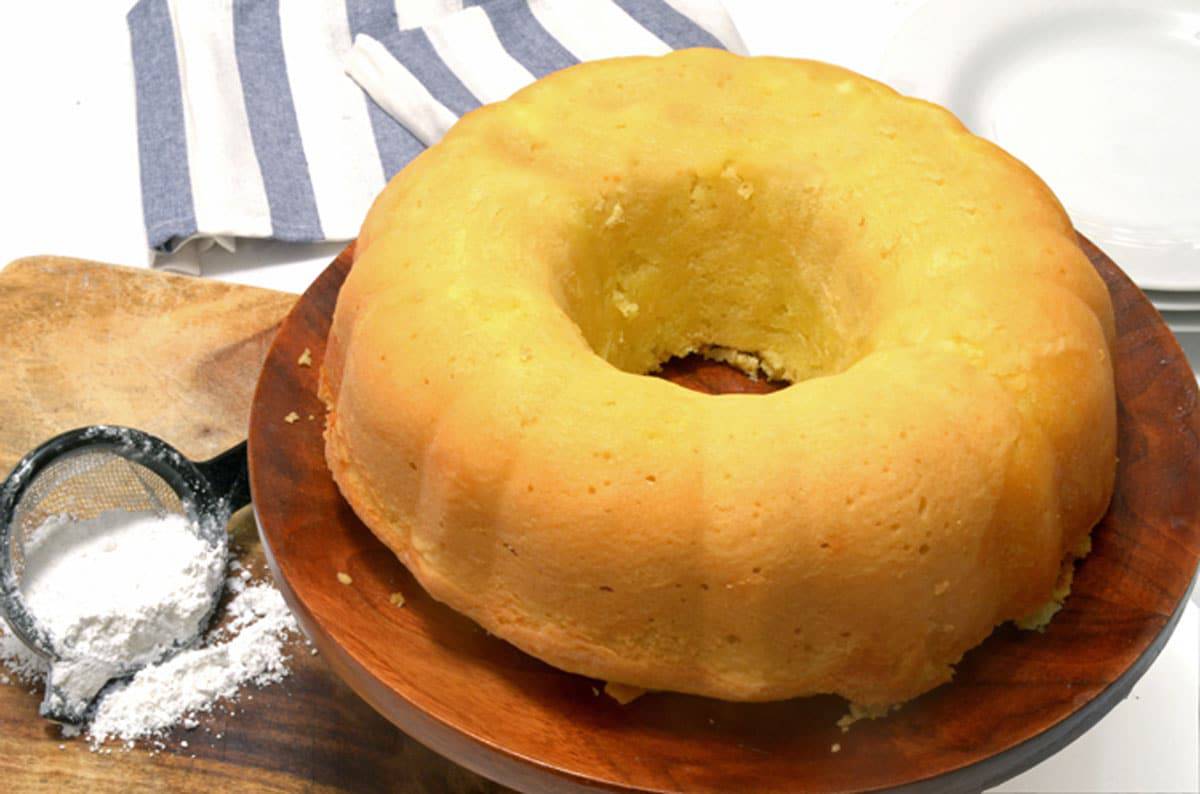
[249,125]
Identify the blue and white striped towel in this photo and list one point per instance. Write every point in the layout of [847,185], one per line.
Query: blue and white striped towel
[248,125]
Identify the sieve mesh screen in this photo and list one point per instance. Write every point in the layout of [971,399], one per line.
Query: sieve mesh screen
[83,485]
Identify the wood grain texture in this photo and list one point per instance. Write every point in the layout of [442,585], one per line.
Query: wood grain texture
[82,342]
[172,355]
[1015,699]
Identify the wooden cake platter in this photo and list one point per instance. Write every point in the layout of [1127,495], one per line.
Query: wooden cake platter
[1015,700]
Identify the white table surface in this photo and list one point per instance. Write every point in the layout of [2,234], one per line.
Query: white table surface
[69,186]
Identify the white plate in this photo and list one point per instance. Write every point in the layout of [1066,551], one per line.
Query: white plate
[1182,322]
[1190,342]
[1174,301]
[1100,97]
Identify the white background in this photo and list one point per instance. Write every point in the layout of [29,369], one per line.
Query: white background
[69,186]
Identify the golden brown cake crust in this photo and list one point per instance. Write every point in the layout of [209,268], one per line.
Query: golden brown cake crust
[948,440]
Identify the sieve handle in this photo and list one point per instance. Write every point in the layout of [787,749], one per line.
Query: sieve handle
[229,476]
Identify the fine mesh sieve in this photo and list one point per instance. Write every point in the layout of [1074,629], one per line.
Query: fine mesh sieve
[92,470]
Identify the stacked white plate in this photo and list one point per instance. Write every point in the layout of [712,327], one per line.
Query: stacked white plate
[1102,99]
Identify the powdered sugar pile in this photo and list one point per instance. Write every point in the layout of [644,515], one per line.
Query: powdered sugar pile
[115,592]
[128,587]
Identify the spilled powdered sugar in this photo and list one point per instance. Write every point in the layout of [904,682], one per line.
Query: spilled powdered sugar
[247,650]
[23,665]
[124,589]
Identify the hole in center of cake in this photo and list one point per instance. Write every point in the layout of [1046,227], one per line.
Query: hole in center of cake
[731,266]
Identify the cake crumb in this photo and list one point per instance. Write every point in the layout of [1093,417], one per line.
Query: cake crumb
[291,417]
[941,587]
[1040,617]
[744,188]
[623,693]
[305,359]
[344,577]
[311,417]
[858,712]
[596,691]
[625,306]
[397,599]
[836,748]
[616,216]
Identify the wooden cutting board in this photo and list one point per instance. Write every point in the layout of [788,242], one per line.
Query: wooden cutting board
[84,343]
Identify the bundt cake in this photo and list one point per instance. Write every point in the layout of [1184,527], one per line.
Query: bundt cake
[946,444]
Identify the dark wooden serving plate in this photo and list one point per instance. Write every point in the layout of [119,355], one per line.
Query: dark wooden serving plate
[1015,700]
